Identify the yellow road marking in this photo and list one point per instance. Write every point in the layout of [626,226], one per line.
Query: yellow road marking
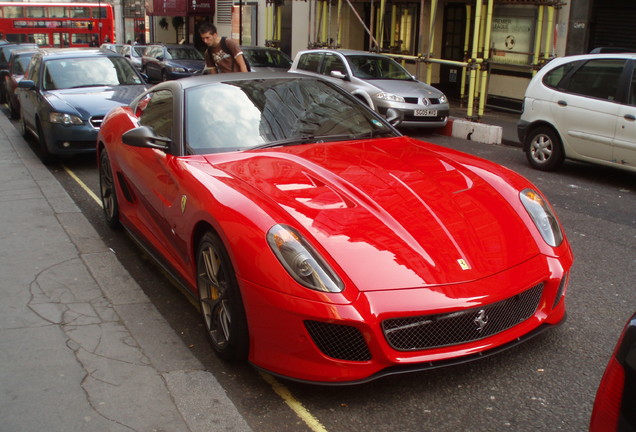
[282,391]
[83,186]
[297,407]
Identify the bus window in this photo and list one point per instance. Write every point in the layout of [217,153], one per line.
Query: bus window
[35,12]
[58,12]
[80,12]
[13,12]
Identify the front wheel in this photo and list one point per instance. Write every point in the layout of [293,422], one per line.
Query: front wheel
[107,190]
[220,300]
[544,149]
[45,155]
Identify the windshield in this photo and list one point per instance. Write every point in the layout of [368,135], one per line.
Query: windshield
[89,72]
[375,67]
[184,54]
[248,114]
[267,58]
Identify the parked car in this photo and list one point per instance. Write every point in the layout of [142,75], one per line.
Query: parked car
[584,108]
[66,93]
[134,54]
[168,62]
[320,243]
[14,73]
[263,59]
[615,403]
[381,83]
[5,54]
[118,48]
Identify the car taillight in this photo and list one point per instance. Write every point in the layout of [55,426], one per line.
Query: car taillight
[607,404]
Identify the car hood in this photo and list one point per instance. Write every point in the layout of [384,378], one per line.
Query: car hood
[394,213]
[93,101]
[406,88]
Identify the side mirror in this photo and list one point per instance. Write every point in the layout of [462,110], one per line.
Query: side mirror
[145,137]
[339,75]
[26,84]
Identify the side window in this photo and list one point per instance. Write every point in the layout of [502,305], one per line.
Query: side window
[33,72]
[158,113]
[310,62]
[554,77]
[596,78]
[333,62]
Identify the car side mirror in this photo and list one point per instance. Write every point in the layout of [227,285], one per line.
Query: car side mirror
[145,137]
[339,75]
[26,84]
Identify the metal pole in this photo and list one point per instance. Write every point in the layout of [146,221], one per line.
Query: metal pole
[537,41]
[484,66]
[431,41]
[462,88]
[473,72]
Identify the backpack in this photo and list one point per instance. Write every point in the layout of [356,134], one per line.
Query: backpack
[225,48]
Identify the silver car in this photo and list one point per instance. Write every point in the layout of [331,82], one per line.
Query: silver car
[380,82]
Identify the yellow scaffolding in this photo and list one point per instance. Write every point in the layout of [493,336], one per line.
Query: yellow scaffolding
[475,67]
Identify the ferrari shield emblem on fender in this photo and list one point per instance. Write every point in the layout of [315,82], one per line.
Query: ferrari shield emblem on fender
[463,264]
[184,199]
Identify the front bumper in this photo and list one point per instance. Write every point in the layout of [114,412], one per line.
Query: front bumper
[408,114]
[70,140]
[351,346]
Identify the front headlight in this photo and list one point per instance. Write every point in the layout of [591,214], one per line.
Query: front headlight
[542,216]
[65,119]
[179,69]
[443,99]
[389,97]
[301,260]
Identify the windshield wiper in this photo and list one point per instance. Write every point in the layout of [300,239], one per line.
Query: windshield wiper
[304,139]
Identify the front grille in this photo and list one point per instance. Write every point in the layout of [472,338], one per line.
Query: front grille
[339,341]
[414,100]
[434,331]
[96,121]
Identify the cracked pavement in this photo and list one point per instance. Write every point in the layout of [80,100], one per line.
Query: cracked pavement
[81,346]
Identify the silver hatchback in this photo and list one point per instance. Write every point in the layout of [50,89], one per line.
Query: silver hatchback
[380,82]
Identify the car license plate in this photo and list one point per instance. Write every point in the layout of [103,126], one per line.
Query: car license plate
[425,113]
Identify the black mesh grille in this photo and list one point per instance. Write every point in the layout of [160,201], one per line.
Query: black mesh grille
[431,331]
[339,341]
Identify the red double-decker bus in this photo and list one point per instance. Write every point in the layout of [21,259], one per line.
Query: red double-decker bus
[57,24]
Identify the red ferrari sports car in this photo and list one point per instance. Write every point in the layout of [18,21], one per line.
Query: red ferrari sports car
[321,244]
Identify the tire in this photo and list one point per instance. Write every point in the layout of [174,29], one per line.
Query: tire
[164,76]
[43,151]
[14,112]
[22,126]
[107,190]
[544,149]
[220,300]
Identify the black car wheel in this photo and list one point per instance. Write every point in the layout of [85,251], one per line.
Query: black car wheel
[164,75]
[45,155]
[544,149]
[107,190]
[220,300]
[13,110]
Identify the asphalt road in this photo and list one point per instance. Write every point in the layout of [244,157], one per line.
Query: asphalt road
[546,384]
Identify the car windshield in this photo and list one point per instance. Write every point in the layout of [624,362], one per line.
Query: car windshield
[267,58]
[183,53]
[374,67]
[138,50]
[89,72]
[249,114]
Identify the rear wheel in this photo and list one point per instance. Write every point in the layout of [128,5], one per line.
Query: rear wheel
[107,190]
[220,300]
[544,149]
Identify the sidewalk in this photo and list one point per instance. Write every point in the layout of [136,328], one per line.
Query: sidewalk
[81,346]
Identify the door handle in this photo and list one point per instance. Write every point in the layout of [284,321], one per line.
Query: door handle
[629,117]
[562,103]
